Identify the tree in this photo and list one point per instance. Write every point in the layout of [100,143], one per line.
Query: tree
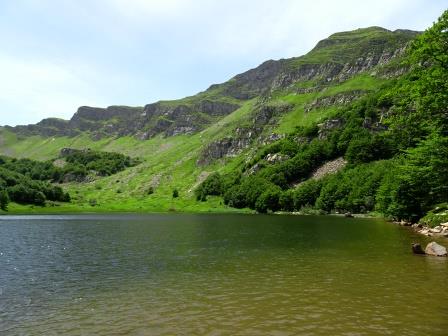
[418,183]
[212,185]
[268,200]
[307,194]
[4,200]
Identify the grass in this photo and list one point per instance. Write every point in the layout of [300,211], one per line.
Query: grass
[348,46]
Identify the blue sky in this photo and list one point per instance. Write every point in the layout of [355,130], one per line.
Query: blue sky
[57,55]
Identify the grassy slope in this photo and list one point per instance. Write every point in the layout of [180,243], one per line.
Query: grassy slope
[168,162]
[298,116]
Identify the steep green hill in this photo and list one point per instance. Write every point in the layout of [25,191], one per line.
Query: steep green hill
[230,128]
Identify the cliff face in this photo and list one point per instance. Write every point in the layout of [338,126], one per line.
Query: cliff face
[374,52]
[334,60]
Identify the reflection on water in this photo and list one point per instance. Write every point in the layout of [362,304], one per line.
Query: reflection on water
[216,274]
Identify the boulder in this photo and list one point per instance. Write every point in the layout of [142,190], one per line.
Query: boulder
[437,229]
[417,248]
[348,215]
[435,249]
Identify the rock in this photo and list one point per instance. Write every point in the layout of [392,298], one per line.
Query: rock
[276,157]
[424,232]
[338,99]
[330,167]
[417,226]
[255,168]
[348,215]
[417,248]
[444,224]
[404,223]
[435,249]
[272,138]
[437,229]
[327,126]
[64,152]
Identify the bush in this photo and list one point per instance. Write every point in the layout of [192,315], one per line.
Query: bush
[175,193]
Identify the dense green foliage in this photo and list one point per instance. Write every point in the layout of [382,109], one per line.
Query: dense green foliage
[22,188]
[394,140]
[28,181]
[103,163]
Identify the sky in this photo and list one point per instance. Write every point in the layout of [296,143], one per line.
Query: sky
[57,55]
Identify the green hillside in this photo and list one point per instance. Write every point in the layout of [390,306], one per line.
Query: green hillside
[267,130]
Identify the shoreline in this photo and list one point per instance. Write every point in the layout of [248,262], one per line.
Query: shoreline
[439,231]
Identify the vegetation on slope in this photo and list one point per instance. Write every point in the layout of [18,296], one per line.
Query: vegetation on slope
[27,181]
[400,170]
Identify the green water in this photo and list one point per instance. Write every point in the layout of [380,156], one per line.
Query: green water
[216,275]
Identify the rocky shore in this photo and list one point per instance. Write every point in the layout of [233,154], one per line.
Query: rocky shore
[440,231]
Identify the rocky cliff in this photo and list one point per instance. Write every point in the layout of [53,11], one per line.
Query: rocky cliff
[334,60]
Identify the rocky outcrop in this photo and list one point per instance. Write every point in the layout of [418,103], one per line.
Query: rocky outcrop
[273,137]
[327,126]
[47,127]
[174,119]
[375,126]
[243,137]
[253,82]
[229,146]
[342,98]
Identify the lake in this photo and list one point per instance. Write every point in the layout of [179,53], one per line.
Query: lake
[182,274]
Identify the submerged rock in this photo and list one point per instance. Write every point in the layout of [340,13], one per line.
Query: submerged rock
[417,248]
[435,249]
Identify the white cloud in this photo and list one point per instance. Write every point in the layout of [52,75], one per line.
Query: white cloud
[31,91]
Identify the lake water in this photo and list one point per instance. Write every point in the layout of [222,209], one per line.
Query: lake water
[216,275]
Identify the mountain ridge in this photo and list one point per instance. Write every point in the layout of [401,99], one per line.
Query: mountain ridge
[194,113]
